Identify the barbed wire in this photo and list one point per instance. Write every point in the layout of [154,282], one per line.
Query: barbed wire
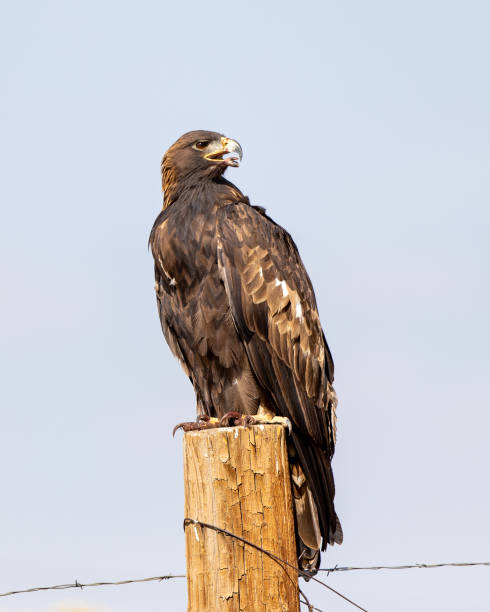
[340,568]
[336,568]
[79,585]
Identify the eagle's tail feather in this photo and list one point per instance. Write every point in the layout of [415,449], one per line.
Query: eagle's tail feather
[316,525]
[309,537]
[308,560]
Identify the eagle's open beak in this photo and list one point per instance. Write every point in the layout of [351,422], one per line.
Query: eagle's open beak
[227,145]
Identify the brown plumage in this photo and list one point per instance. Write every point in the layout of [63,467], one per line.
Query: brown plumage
[238,310]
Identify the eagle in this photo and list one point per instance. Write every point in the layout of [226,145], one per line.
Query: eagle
[238,310]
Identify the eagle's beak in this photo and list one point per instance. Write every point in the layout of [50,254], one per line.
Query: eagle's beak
[227,145]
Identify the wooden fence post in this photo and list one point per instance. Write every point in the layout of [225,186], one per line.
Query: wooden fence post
[237,478]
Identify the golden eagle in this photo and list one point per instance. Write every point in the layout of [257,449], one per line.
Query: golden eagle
[238,310]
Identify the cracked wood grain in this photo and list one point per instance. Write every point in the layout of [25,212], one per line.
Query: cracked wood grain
[238,478]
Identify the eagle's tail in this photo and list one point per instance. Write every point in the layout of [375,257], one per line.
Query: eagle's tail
[309,540]
[308,534]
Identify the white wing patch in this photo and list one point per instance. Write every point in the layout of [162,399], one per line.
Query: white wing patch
[293,297]
[284,286]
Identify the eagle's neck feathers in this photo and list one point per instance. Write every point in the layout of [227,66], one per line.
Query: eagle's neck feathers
[191,187]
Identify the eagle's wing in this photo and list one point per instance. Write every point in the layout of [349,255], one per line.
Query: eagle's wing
[275,313]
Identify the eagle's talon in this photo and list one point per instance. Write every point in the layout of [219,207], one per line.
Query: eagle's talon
[182,426]
[203,421]
[231,419]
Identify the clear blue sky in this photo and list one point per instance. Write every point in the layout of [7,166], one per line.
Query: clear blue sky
[365,129]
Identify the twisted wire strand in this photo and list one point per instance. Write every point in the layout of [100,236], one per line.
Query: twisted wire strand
[337,568]
[349,568]
[79,585]
[189,521]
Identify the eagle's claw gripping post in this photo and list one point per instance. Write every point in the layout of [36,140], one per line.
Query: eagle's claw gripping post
[203,421]
[232,419]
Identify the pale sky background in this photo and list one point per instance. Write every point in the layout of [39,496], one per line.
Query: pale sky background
[365,129]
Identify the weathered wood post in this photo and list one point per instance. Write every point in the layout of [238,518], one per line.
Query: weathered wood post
[237,478]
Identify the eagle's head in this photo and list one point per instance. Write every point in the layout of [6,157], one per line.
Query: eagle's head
[198,155]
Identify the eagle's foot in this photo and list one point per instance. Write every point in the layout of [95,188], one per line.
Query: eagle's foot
[262,419]
[234,419]
[203,421]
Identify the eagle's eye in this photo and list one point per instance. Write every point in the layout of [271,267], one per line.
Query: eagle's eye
[200,145]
